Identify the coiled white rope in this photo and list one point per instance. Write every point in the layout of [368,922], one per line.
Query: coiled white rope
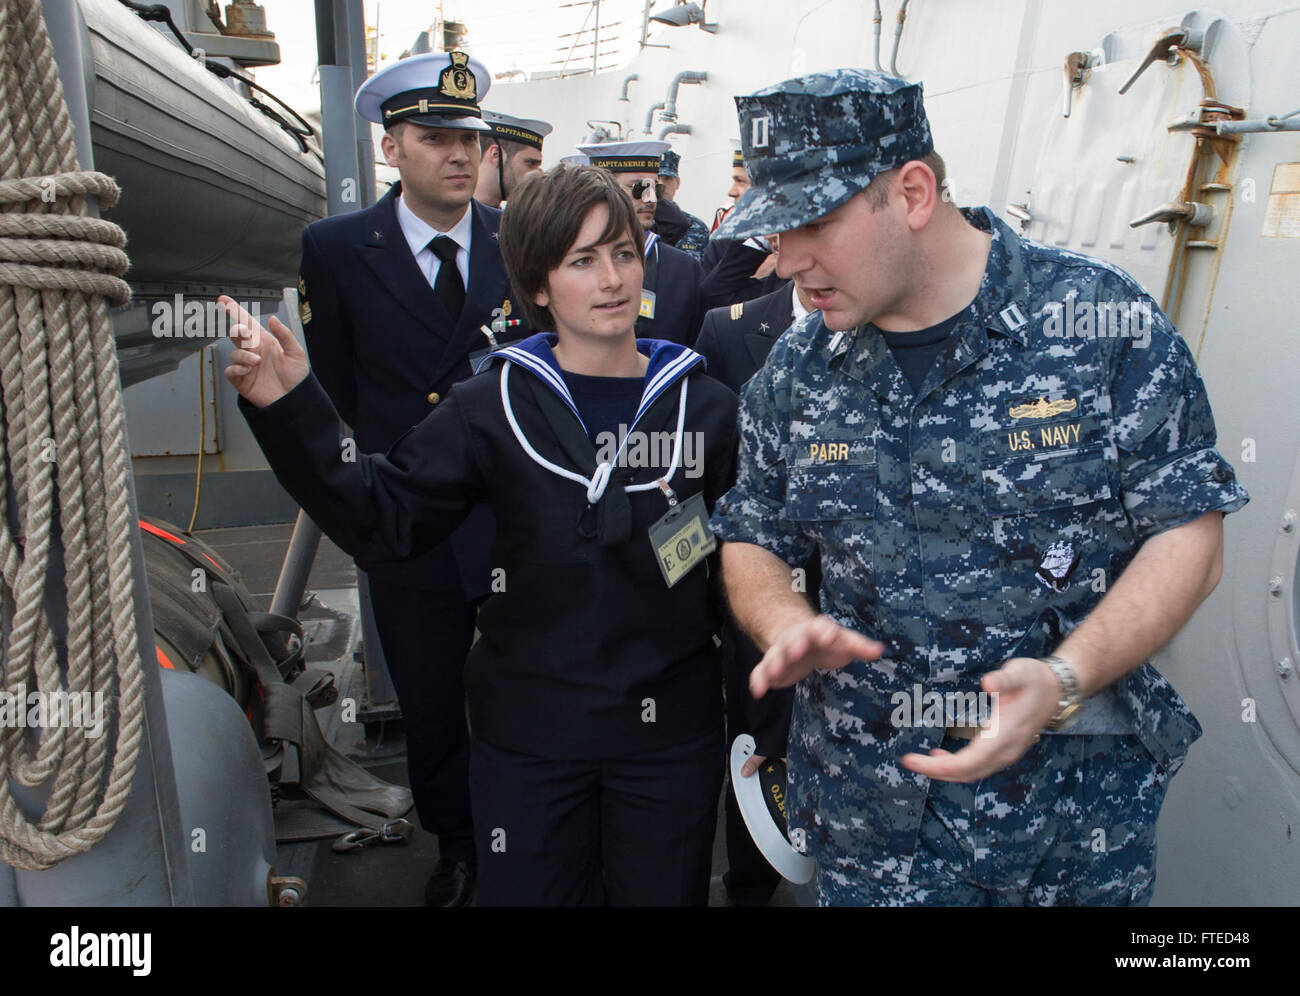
[62,449]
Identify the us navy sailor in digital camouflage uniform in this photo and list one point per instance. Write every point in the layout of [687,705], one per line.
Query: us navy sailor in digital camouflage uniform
[689,233]
[1007,497]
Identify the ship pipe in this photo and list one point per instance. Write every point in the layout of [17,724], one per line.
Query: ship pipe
[627,80]
[685,76]
[650,116]
[674,129]
[1286,123]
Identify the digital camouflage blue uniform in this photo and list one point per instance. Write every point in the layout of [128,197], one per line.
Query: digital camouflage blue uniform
[697,235]
[977,519]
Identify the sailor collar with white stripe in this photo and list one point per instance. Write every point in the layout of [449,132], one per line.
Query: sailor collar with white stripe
[669,362]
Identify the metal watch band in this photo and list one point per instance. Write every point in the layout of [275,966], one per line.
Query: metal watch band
[1070,700]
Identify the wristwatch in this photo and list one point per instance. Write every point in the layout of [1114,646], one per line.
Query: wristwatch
[1067,709]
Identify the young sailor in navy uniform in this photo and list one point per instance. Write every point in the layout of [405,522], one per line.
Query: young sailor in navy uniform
[393,299]
[671,306]
[594,689]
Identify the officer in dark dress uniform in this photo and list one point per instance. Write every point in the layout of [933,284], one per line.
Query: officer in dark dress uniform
[731,266]
[671,307]
[390,327]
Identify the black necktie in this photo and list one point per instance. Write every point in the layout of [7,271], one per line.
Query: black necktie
[448,285]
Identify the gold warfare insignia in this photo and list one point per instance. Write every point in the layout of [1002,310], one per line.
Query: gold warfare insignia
[1042,408]
[505,307]
[457,80]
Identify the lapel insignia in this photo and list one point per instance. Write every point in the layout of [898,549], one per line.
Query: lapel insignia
[763,326]
[496,235]
[1011,317]
[505,308]
[377,236]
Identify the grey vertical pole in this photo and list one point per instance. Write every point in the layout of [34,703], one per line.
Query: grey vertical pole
[365,144]
[595,42]
[143,860]
[345,190]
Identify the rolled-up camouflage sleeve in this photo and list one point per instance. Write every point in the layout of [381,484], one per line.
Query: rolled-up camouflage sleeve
[753,511]
[1170,469]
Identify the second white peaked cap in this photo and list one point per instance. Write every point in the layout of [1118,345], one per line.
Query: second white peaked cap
[437,90]
[626,157]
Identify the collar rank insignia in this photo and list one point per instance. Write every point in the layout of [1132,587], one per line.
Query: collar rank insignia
[1011,317]
[302,287]
[1042,408]
[505,308]
[737,310]
[457,80]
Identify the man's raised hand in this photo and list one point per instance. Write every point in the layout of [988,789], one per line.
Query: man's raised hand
[265,366]
[813,644]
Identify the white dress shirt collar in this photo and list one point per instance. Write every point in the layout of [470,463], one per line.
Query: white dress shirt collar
[800,312]
[419,233]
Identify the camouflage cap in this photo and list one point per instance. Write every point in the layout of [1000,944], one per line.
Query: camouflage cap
[813,142]
[669,164]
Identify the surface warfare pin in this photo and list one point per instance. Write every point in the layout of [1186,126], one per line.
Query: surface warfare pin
[1057,565]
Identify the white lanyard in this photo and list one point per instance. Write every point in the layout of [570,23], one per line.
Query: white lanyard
[600,479]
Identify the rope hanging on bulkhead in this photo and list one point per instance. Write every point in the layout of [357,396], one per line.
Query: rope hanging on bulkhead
[63,464]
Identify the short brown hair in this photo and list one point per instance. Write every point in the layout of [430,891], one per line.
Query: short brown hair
[877,191]
[542,220]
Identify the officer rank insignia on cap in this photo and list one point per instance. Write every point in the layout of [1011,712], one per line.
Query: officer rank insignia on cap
[456,80]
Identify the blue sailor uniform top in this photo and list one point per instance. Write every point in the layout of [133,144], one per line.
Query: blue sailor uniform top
[968,522]
[387,352]
[581,639]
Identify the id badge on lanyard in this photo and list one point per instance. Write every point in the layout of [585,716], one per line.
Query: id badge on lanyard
[681,538]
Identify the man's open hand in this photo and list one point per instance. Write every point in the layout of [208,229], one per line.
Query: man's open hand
[813,644]
[1026,696]
[265,366]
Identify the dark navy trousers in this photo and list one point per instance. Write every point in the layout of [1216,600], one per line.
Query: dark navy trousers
[426,635]
[627,831]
